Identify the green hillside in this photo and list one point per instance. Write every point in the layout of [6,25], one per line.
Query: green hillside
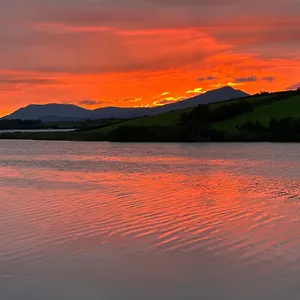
[173,118]
[287,107]
[251,99]
[263,108]
[167,119]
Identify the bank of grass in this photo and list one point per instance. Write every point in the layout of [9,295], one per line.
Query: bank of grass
[251,99]
[288,107]
[171,118]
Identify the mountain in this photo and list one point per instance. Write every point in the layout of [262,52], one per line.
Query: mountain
[69,112]
[218,95]
[293,87]
[51,113]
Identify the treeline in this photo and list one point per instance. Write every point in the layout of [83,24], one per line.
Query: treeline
[19,124]
[279,130]
[193,127]
[196,126]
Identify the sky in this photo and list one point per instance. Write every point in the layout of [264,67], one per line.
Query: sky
[129,53]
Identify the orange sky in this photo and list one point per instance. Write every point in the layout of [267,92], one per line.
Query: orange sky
[143,52]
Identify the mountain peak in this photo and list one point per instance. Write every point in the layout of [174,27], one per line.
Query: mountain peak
[227,87]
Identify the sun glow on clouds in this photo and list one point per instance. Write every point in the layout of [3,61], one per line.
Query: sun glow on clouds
[118,54]
[167,100]
[196,91]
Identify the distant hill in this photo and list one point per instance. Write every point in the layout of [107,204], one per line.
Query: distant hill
[282,105]
[218,95]
[69,112]
[50,113]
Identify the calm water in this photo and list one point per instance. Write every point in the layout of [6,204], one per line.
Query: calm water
[149,221]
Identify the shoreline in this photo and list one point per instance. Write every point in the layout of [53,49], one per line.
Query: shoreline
[237,139]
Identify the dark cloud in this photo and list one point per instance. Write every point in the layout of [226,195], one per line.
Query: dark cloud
[129,99]
[285,37]
[28,81]
[268,78]
[245,79]
[211,78]
[208,78]
[132,12]
[89,57]
[189,2]
[90,102]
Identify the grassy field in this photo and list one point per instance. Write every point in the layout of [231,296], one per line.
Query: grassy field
[173,118]
[252,99]
[167,119]
[289,107]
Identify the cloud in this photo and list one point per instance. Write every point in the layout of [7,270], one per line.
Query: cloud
[168,100]
[162,102]
[245,79]
[29,81]
[131,99]
[208,78]
[90,102]
[117,50]
[196,91]
[88,36]
[268,78]
[109,49]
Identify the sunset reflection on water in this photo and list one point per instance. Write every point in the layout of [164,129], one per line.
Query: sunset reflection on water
[234,208]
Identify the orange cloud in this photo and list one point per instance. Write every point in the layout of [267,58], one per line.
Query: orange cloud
[196,91]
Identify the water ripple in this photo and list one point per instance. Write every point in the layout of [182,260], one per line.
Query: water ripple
[192,207]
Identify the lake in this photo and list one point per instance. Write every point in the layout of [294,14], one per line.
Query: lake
[149,221]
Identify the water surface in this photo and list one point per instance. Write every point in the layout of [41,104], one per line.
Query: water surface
[149,221]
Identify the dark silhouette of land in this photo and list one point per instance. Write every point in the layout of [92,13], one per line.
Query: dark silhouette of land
[262,117]
[68,112]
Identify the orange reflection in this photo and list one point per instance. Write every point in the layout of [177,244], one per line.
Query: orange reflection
[141,207]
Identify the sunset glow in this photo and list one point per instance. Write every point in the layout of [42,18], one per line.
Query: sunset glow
[135,53]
